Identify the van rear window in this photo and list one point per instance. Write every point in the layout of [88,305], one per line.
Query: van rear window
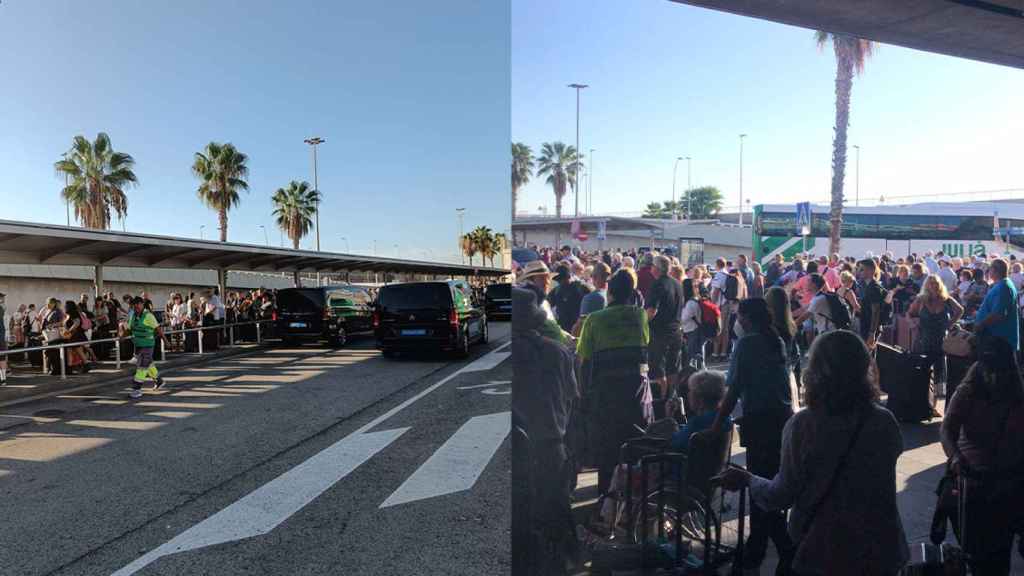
[299,300]
[499,291]
[415,297]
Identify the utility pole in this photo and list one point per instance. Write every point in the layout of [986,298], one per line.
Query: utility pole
[674,166]
[315,142]
[689,194]
[742,136]
[459,212]
[590,184]
[576,175]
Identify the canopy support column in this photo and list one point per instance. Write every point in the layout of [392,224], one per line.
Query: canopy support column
[296,279]
[222,282]
[98,280]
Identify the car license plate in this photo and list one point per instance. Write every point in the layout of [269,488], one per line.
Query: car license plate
[297,325]
[416,332]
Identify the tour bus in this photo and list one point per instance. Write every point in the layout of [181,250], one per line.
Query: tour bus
[957,229]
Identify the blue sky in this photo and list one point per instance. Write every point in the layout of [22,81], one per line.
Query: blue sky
[412,97]
[670,80]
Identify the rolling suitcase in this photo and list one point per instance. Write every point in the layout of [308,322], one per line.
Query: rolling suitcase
[906,378]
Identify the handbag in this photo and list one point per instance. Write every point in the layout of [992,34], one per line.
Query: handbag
[959,342]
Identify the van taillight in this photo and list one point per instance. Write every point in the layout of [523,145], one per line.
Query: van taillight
[376,319]
[453,319]
[273,315]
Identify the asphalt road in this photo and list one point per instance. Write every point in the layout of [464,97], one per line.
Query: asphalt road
[294,461]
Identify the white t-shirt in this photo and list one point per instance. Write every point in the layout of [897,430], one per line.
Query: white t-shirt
[963,286]
[690,316]
[821,313]
[948,278]
[1018,280]
[718,281]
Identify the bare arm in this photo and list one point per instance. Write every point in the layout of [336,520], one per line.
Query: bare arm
[915,308]
[958,310]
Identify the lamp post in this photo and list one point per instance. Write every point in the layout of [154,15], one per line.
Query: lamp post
[577,87]
[460,212]
[315,143]
[856,201]
[590,184]
[742,136]
[266,237]
[346,243]
[674,166]
[689,187]
[201,228]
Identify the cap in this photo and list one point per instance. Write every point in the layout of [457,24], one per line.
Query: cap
[534,268]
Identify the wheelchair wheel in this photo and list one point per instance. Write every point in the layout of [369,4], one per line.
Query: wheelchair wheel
[691,525]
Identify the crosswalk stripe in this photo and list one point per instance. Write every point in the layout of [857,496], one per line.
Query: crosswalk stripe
[262,510]
[457,464]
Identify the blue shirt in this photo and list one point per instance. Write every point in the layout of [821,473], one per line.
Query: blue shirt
[593,302]
[759,374]
[1000,299]
[698,423]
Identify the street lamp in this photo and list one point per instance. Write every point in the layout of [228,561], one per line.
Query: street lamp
[315,142]
[201,228]
[674,166]
[742,136]
[266,238]
[856,201]
[689,187]
[460,212]
[397,253]
[577,87]
[590,184]
[346,243]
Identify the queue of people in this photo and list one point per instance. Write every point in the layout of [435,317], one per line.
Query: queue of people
[638,326]
[91,320]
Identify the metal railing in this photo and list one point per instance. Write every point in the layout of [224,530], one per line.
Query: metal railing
[62,347]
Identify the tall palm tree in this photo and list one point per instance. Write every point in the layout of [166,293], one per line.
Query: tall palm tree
[96,180]
[522,170]
[294,207]
[469,246]
[222,171]
[558,162]
[851,54]
[485,243]
[500,243]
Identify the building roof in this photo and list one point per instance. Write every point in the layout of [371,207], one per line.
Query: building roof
[586,222]
[31,243]
[986,30]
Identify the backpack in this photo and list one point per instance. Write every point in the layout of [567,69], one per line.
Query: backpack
[838,310]
[710,319]
[732,287]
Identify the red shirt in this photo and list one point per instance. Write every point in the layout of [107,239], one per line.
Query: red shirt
[644,280]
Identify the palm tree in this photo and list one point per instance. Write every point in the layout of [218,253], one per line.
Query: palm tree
[522,170]
[294,207]
[851,54]
[97,177]
[558,162]
[485,243]
[469,246]
[703,201]
[500,243]
[222,170]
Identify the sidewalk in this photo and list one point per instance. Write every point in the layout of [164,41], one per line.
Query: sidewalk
[26,383]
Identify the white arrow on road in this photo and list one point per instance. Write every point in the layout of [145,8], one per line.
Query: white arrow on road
[457,464]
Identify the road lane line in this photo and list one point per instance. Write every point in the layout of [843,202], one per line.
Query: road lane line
[490,384]
[458,463]
[372,423]
[266,507]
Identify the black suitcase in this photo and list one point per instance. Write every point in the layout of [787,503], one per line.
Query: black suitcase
[906,378]
[35,357]
[956,369]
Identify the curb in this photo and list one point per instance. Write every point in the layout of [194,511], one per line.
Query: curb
[115,378]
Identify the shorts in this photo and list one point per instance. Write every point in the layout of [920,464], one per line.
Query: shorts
[663,354]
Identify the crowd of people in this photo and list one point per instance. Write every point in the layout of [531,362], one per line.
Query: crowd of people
[90,320]
[606,344]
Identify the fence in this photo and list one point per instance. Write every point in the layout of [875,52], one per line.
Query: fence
[230,328]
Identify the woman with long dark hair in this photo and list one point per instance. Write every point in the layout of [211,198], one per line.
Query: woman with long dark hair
[838,468]
[782,320]
[759,376]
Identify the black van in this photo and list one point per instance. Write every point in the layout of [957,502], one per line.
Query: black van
[330,313]
[439,315]
[498,300]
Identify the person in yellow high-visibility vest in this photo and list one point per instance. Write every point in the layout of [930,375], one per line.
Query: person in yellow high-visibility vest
[145,329]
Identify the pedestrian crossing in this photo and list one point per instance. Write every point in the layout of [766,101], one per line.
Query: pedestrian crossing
[455,466]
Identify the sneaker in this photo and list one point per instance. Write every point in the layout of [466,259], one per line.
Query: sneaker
[136,394]
[158,383]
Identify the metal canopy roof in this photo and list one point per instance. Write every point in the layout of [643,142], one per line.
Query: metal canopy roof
[986,30]
[611,222]
[30,243]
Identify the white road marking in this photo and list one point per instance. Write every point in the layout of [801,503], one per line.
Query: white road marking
[457,464]
[496,392]
[490,384]
[274,502]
